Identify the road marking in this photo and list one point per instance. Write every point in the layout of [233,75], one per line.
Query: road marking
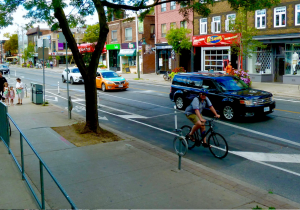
[132,116]
[287,111]
[147,84]
[77,99]
[269,157]
[147,91]
[54,98]
[102,118]
[287,100]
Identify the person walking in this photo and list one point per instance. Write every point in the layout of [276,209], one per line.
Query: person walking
[6,93]
[19,91]
[2,81]
[51,64]
[229,69]
[11,95]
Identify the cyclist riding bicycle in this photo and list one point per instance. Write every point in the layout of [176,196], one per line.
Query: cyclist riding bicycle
[193,113]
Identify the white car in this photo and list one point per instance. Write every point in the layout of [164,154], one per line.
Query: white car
[74,75]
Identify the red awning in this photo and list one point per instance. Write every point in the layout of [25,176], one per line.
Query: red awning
[216,39]
[89,47]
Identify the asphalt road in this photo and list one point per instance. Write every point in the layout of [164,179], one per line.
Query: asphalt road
[262,151]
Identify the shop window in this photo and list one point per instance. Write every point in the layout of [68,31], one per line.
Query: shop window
[297,14]
[292,59]
[260,19]
[203,26]
[280,17]
[216,24]
[172,5]
[128,34]
[163,6]
[229,22]
[183,24]
[114,36]
[173,25]
[163,30]
[260,62]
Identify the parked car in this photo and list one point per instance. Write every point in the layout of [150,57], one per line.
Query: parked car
[74,75]
[4,69]
[230,96]
[110,80]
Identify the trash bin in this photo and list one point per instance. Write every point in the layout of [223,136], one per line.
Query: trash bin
[36,93]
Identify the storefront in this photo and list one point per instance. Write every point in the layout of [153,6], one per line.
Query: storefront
[164,58]
[279,62]
[89,48]
[213,51]
[113,58]
[128,56]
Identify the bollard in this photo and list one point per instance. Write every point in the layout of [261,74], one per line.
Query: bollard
[175,117]
[58,88]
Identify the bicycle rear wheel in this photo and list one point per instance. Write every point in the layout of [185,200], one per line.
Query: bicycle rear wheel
[185,131]
[219,147]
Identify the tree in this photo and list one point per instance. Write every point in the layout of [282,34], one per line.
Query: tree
[28,52]
[53,12]
[91,34]
[245,45]
[11,45]
[177,37]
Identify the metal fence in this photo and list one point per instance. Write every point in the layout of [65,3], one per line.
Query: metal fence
[5,130]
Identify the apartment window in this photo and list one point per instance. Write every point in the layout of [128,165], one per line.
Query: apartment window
[229,22]
[203,26]
[280,17]
[152,30]
[183,24]
[260,18]
[216,24]
[297,14]
[114,36]
[173,5]
[163,6]
[163,30]
[128,34]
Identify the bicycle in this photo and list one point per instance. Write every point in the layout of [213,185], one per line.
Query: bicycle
[218,145]
[166,76]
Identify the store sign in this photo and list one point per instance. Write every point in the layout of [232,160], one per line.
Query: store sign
[220,39]
[113,46]
[89,47]
[60,46]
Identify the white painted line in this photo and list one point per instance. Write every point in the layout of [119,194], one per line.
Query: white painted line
[147,84]
[132,116]
[52,98]
[269,157]
[77,99]
[287,100]
[102,118]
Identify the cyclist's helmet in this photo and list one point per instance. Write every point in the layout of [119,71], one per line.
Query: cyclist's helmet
[204,91]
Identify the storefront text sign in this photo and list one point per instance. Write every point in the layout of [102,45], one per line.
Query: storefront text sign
[60,46]
[113,46]
[89,47]
[217,39]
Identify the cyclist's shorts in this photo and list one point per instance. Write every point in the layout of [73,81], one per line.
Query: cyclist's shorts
[193,118]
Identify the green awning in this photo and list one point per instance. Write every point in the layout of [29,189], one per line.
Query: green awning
[127,52]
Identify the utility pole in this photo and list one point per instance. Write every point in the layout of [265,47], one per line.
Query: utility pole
[137,45]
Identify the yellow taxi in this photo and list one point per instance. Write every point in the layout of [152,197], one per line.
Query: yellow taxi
[110,80]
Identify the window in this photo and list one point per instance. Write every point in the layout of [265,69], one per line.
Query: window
[128,34]
[163,30]
[280,17]
[297,14]
[216,24]
[113,36]
[183,24]
[173,25]
[195,82]
[173,5]
[203,26]
[152,30]
[260,18]
[179,80]
[163,6]
[229,22]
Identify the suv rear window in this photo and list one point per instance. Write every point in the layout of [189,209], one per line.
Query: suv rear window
[179,80]
[195,82]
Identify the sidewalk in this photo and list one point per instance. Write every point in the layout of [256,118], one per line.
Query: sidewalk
[277,89]
[127,174]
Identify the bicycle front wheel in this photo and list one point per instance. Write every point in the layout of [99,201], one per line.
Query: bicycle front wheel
[218,145]
[185,131]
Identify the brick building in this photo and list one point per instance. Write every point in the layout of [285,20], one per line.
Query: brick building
[278,27]
[166,16]
[121,45]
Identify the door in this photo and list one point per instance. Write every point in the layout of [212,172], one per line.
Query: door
[279,69]
[213,93]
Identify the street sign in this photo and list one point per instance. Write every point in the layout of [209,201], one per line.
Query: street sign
[61,38]
[40,42]
[40,53]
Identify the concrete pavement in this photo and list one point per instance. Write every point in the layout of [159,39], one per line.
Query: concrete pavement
[126,174]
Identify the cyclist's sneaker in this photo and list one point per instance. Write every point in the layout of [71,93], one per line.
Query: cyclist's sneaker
[206,145]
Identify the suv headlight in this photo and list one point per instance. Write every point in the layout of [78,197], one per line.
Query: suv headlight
[247,102]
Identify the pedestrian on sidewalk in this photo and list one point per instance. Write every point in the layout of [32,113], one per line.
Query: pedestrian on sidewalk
[6,93]
[51,64]
[2,81]
[229,69]
[11,95]
[20,91]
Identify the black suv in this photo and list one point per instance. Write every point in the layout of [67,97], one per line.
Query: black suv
[230,96]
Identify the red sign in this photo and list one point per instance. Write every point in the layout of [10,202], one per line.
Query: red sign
[215,39]
[89,47]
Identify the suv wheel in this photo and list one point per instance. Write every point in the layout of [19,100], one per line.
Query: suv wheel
[179,102]
[228,112]
[71,81]
[63,79]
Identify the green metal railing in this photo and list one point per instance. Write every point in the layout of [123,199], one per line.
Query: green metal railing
[42,165]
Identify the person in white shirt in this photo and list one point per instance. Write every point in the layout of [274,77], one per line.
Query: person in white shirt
[19,91]
[295,61]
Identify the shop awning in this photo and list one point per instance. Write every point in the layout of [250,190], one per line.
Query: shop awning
[89,47]
[127,52]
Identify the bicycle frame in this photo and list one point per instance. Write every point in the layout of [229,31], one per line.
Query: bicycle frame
[199,137]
